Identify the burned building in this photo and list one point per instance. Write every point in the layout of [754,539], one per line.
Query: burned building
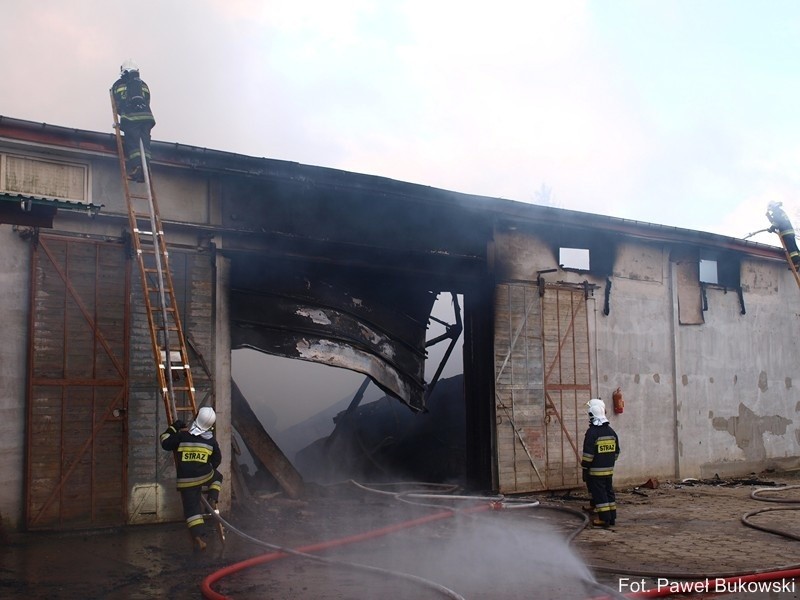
[695,330]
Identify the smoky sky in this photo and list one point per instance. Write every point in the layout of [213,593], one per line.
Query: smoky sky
[675,113]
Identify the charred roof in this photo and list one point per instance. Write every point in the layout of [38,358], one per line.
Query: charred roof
[314,183]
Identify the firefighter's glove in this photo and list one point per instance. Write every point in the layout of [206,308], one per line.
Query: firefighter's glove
[585,473]
[178,425]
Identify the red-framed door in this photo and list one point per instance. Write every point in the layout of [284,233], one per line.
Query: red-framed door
[567,382]
[77,384]
[542,382]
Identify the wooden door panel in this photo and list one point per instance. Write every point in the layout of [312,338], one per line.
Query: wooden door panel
[77,396]
[543,381]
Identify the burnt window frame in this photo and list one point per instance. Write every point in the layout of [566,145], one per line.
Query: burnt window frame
[575,267]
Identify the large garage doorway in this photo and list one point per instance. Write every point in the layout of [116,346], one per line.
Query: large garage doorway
[77,385]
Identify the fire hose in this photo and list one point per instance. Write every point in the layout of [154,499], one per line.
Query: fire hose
[305,552]
[279,552]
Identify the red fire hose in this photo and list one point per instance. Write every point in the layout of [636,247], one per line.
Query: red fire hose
[276,555]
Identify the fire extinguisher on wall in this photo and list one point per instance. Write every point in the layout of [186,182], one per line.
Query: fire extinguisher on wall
[619,401]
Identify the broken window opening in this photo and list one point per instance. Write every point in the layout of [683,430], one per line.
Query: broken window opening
[720,271]
[577,259]
[708,271]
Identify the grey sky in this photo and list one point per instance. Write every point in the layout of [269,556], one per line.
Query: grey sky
[678,112]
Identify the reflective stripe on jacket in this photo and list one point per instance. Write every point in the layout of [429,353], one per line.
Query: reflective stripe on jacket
[132,109]
[600,450]
[197,457]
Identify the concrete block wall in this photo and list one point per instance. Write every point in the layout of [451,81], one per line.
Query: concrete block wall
[14,306]
[720,397]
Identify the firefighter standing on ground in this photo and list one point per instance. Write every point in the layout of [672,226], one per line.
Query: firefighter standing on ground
[197,458]
[600,452]
[132,98]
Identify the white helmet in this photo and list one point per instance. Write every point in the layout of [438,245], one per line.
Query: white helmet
[128,65]
[597,411]
[205,419]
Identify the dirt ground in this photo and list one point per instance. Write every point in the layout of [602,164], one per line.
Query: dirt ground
[377,544]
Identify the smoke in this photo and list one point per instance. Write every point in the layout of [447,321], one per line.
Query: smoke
[494,555]
[511,554]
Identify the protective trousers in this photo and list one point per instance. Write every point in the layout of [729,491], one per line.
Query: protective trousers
[135,131]
[193,509]
[603,498]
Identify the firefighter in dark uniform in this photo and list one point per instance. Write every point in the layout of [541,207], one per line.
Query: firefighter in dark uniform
[600,452]
[132,97]
[783,227]
[197,458]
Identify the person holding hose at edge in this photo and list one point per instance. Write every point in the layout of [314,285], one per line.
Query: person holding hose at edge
[783,227]
[132,98]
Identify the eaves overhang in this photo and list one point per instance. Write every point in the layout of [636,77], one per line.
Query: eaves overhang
[37,211]
[511,216]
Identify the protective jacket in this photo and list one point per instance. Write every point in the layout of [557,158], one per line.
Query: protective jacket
[600,450]
[132,97]
[781,223]
[198,456]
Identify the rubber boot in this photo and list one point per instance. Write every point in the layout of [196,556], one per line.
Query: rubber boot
[198,543]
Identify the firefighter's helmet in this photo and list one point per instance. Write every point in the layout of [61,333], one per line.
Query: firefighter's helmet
[127,66]
[205,419]
[597,411]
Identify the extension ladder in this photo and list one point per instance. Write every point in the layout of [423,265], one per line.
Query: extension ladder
[791,263]
[166,333]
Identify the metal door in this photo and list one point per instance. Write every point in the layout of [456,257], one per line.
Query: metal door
[542,380]
[77,386]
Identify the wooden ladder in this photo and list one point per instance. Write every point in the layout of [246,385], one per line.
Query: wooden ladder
[789,260]
[166,333]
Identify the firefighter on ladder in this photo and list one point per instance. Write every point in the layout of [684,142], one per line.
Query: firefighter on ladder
[197,458]
[783,227]
[132,98]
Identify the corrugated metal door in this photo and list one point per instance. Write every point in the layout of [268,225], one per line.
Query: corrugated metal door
[77,397]
[542,372]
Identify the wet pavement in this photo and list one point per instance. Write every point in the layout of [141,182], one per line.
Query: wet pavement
[678,530]
[695,530]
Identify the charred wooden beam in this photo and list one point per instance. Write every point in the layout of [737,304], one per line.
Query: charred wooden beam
[262,446]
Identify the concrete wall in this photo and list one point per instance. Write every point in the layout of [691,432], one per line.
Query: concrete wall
[736,398]
[715,398]
[14,304]
[635,352]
